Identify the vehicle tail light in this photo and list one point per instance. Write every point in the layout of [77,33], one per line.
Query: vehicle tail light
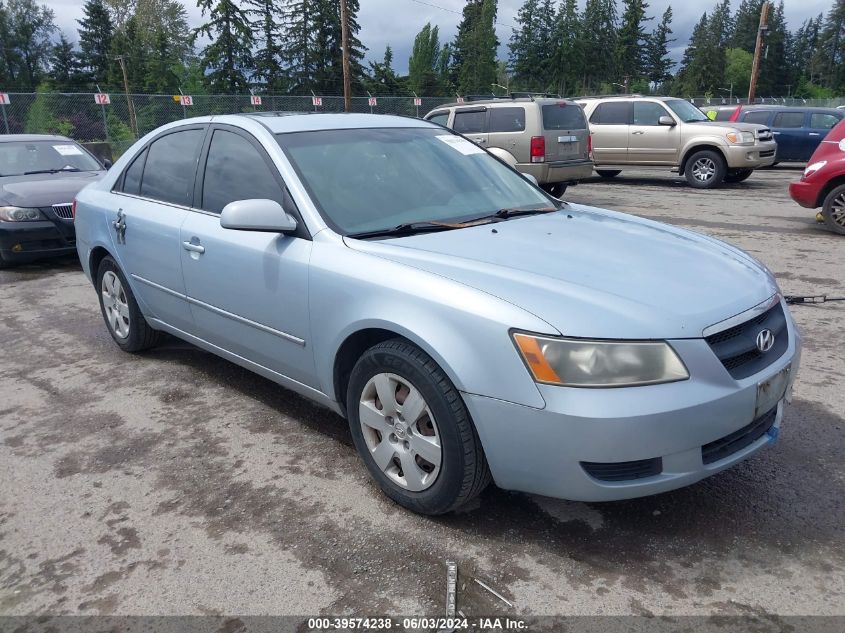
[590,146]
[538,149]
[73,210]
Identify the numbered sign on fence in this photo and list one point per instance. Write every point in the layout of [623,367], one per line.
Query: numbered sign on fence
[316,101]
[187,100]
[417,101]
[373,101]
[102,98]
[255,100]
[4,98]
[460,99]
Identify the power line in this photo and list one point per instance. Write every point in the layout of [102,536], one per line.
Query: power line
[437,6]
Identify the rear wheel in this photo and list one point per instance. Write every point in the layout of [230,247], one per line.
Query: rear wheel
[738,175]
[705,169]
[412,430]
[608,173]
[126,324]
[556,189]
[833,211]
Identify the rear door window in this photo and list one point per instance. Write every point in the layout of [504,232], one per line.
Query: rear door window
[612,113]
[507,119]
[648,113]
[761,117]
[823,121]
[470,121]
[563,116]
[788,120]
[236,170]
[441,118]
[171,166]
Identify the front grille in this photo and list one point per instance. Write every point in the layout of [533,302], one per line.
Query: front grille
[64,211]
[736,441]
[767,153]
[624,471]
[736,347]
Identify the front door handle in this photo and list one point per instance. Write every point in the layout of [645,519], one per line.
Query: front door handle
[638,132]
[194,248]
[120,226]
[478,140]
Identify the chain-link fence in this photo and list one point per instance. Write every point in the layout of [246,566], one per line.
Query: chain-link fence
[781,101]
[124,119]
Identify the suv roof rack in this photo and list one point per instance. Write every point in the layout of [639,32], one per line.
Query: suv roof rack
[513,96]
[615,96]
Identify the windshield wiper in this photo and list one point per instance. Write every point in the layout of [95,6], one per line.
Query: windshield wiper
[506,213]
[408,228]
[49,171]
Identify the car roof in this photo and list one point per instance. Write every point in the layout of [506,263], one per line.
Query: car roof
[8,138]
[802,108]
[283,122]
[504,101]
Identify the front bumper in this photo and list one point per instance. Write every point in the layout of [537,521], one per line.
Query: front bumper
[806,193]
[554,172]
[544,451]
[751,156]
[28,241]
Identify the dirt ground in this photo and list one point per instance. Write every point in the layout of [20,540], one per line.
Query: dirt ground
[175,483]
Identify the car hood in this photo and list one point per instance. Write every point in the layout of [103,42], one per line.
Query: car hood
[43,190]
[731,125]
[594,273]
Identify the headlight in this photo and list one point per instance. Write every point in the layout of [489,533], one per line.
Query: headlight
[20,214]
[811,169]
[740,137]
[586,363]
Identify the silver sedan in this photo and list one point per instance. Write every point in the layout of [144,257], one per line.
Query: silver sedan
[468,325]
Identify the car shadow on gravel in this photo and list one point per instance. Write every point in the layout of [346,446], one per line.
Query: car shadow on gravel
[39,269]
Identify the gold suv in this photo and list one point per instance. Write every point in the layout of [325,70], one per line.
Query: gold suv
[636,131]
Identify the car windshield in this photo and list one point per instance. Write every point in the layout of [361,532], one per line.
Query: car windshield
[23,157]
[686,111]
[368,180]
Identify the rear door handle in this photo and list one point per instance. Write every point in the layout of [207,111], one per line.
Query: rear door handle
[814,134]
[194,248]
[478,140]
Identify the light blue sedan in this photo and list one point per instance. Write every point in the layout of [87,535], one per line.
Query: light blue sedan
[468,325]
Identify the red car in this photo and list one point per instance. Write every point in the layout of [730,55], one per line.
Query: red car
[823,182]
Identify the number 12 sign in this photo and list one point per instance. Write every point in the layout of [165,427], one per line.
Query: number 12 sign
[101,98]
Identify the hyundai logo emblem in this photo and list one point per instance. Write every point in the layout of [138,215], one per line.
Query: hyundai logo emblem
[765,340]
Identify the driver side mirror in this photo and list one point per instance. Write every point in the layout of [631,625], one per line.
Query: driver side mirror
[666,120]
[257,215]
[107,163]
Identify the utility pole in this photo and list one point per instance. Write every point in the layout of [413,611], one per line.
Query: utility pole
[755,68]
[344,42]
[133,124]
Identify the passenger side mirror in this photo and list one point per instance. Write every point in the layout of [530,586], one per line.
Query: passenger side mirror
[532,179]
[666,120]
[257,215]
[107,163]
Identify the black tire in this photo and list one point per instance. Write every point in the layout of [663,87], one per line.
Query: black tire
[608,173]
[140,335]
[710,162]
[4,263]
[738,175]
[833,210]
[556,189]
[463,471]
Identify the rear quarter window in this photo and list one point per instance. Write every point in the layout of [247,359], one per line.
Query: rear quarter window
[823,120]
[612,113]
[788,120]
[441,118]
[563,117]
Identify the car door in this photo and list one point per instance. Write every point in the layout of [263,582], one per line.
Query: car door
[153,197]
[790,134]
[650,143]
[820,124]
[609,124]
[472,123]
[248,290]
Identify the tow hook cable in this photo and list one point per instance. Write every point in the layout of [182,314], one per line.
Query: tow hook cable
[797,299]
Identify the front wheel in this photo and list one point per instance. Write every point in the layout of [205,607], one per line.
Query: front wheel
[412,430]
[738,175]
[126,324]
[608,173]
[833,210]
[705,169]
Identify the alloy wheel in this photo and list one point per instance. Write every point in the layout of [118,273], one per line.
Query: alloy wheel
[837,210]
[115,304]
[400,432]
[704,169]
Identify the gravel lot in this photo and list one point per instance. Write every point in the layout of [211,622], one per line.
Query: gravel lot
[174,482]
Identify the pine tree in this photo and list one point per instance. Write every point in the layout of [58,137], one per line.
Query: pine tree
[746,24]
[95,40]
[160,76]
[805,43]
[474,54]
[598,40]
[228,57]
[830,56]
[658,64]
[383,79]
[30,27]
[568,57]
[127,44]
[423,71]
[693,76]
[64,66]
[630,44]
[297,52]
[775,75]
[268,65]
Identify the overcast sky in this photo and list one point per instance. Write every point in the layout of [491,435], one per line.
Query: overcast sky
[396,22]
